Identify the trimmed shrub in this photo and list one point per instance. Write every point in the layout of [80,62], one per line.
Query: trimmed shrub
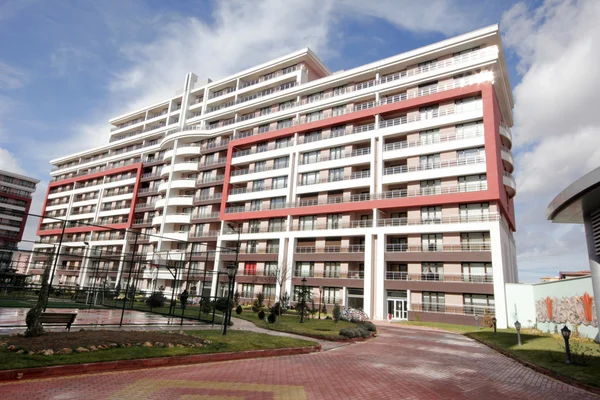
[272,318]
[239,310]
[336,313]
[352,333]
[223,303]
[368,325]
[156,299]
[275,309]
[353,315]
[261,315]
[324,309]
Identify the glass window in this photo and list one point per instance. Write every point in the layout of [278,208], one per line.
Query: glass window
[336,174]
[260,166]
[431,242]
[309,178]
[432,271]
[333,221]
[273,246]
[276,224]
[332,270]
[335,153]
[278,202]
[304,269]
[434,302]
[280,182]
[310,157]
[429,137]
[256,205]
[478,304]
[307,223]
[477,272]
[281,162]
[431,215]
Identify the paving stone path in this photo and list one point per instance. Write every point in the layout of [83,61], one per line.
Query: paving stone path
[402,363]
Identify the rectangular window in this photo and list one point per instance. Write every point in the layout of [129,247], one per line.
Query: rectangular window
[286,105]
[429,137]
[260,166]
[431,242]
[304,269]
[281,162]
[333,221]
[271,268]
[280,182]
[332,270]
[429,161]
[338,110]
[431,187]
[478,304]
[336,153]
[472,183]
[432,271]
[263,128]
[470,155]
[429,112]
[277,202]
[431,215]
[474,212]
[310,157]
[265,110]
[273,246]
[434,302]
[467,104]
[254,226]
[331,295]
[314,97]
[258,185]
[307,223]
[314,116]
[337,131]
[312,137]
[251,246]
[339,90]
[247,290]
[283,143]
[475,241]
[309,178]
[336,174]
[286,123]
[477,272]
[250,268]
[269,292]
[262,147]
[276,224]
[469,130]
[256,205]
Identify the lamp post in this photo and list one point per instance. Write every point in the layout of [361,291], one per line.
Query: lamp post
[303,300]
[566,334]
[518,328]
[494,320]
[231,272]
[95,277]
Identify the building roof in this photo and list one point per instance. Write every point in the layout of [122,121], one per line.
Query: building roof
[579,199]
[18,176]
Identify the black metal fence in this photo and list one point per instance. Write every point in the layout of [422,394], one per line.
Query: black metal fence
[100,267]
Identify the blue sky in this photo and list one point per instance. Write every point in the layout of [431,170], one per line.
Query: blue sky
[66,67]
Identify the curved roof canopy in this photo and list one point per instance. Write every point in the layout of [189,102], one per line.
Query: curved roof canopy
[577,201]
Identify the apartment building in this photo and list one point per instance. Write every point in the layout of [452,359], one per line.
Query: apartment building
[15,199]
[387,187]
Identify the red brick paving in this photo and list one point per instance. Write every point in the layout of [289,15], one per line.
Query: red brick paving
[401,364]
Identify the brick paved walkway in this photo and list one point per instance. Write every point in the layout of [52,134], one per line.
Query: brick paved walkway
[401,364]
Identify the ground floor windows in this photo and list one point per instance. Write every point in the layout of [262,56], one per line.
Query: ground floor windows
[356,298]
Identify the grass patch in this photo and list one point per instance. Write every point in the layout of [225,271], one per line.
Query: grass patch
[548,351]
[326,329]
[235,341]
[448,327]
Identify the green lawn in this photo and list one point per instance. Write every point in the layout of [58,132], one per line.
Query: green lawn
[234,341]
[548,352]
[448,327]
[326,329]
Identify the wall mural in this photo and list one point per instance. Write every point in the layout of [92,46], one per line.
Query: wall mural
[575,309]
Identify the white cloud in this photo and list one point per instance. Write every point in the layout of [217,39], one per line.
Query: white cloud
[12,77]
[9,163]
[556,120]
[71,59]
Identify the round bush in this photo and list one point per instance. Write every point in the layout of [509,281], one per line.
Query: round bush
[272,318]
[368,325]
[352,333]
[261,315]
[239,310]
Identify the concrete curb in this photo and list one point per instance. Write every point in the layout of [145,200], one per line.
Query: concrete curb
[125,365]
[537,368]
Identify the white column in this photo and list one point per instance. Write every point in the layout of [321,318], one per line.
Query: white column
[215,277]
[368,281]
[497,235]
[379,278]
[290,266]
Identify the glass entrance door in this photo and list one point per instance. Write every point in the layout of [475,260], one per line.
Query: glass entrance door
[398,308]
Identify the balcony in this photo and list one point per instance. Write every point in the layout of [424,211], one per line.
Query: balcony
[331,179]
[507,159]
[505,134]
[333,225]
[509,184]
[352,154]
[422,171]
[145,206]
[204,216]
[457,219]
[438,277]
[400,247]
[458,136]
[354,248]
[179,218]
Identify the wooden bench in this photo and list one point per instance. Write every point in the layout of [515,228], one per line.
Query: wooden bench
[58,319]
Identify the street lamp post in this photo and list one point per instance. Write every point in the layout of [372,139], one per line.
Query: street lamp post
[231,272]
[95,277]
[566,334]
[303,300]
[518,328]
[494,321]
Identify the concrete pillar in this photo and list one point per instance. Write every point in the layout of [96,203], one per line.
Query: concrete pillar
[368,280]
[379,277]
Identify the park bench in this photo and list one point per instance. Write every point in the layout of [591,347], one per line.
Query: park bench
[58,319]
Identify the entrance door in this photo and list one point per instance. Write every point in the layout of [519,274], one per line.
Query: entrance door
[398,308]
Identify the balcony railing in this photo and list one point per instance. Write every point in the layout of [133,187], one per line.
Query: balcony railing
[216,196]
[240,190]
[333,225]
[335,178]
[353,248]
[460,309]
[438,277]
[466,134]
[434,165]
[432,247]
[246,171]
[457,219]
[354,153]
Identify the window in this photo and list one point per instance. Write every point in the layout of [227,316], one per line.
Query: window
[475,241]
[427,65]
[310,157]
[260,166]
[396,271]
[280,182]
[472,182]
[470,155]
[314,97]
[309,178]
[251,246]
[467,104]
[247,290]
[465,53]
[277,202]
[338,110]
[429,137]
[474,211]
[258,185]
[312,136]
[271,268]
[333,221]
[434,302]
[336,174]
[261,147]
[304,269]
[332,270]
[478,304]
[431,242]
[286,123]
[314,116]
[432,271]
[307,223]
[265,110]
[338,131]
[430,187]
[335,153]
[254,226]
[276,224]
[269,291]
[339,90]
[283,142]
[397,244]
[429,112]
[281,162]
[477,272]
[431,215]
[469,130]
[289,69]
[331,295]
[263,128]
[250,268]
[255,205]
[429,161]
[286,104]
[273,246]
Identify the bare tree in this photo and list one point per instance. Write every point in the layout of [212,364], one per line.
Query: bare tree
[279,276]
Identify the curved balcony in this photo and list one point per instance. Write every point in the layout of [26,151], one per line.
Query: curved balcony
[181,201]
[165,171]
[176,236]
[185,167]
[188,183]
[182,218]
[509,184]
[507,159]
[506,135]
[188,149]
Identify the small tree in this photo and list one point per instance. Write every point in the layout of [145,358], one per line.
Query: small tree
[236,298]
[336,313]
[32,319]
[260,300]
[156,299]
[279,276]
